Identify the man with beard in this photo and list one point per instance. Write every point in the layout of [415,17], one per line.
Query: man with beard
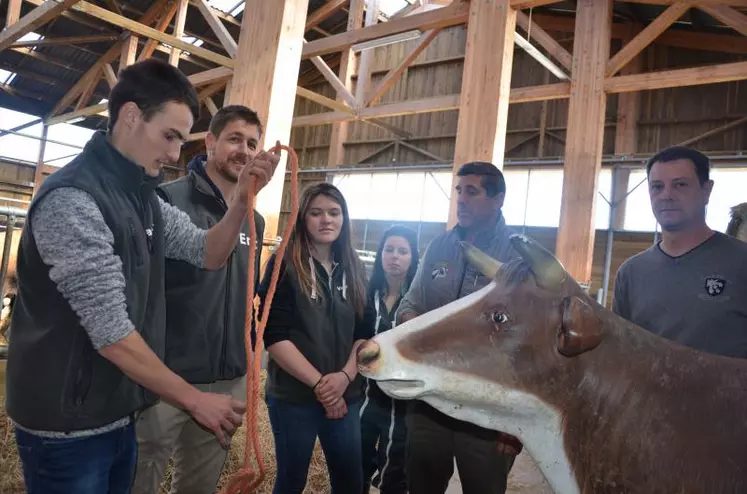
[205,313]
[434,440]
[691,286]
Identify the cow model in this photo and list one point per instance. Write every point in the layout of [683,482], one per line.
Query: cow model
[602,405]
[738,224]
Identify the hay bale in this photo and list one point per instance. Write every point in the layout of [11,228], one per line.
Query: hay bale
[11,480]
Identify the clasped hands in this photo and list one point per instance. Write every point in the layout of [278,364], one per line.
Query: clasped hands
[329,390]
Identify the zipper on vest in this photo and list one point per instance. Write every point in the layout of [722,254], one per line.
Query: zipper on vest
[226,320]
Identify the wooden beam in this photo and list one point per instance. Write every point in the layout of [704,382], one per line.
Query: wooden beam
[220,30]
[14,13]
[163,23]
[452,15]
[527,4]
[647,36]
[425,39]
[677,38]
[329,74]
[218,74]
[584,138]
[486,87]
[323,100]
[274,31]
[527,94]
[347,64]
[100,109]
[216,77]
[710,74]
[365,60]
[38,175]
[111,54]
[729,16]
[324,12]
[111,77]
[129,52]
[545,41]
[33,20]
[68,40]
[28,52]
[181,18]
[211,106]
[713,132]
[88,93]
[149,32]
[626,138]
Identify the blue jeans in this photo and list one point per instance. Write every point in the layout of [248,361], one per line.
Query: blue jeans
[296,428]
[100,464]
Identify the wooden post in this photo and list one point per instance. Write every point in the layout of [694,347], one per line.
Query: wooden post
[267,65]
[486,86]
[14,13]
[129,51]
[347,63]
[585,136]
[626,135]
[39,171]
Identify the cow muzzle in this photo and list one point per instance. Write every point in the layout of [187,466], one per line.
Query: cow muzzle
[393,380]
[368,355]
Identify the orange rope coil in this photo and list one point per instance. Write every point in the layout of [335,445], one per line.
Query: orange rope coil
[247,480]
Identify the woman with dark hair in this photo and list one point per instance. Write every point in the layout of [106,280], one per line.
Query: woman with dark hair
[314,327]
[383,418]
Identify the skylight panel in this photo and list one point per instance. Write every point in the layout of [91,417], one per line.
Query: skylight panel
[6,77]
[223,5]
[391,7]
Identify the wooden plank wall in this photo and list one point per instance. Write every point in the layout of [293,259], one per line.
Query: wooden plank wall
[625,244]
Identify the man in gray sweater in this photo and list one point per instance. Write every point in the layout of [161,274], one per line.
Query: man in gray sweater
[434,440]
[89,321]
[691,287]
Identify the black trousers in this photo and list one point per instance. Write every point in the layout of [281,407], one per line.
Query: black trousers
[434,440]
[383,436]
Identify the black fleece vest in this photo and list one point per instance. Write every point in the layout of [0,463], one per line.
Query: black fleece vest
[56,381]
[206,309]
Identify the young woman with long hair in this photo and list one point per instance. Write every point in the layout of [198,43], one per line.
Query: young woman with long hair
[314,327]
[383,418]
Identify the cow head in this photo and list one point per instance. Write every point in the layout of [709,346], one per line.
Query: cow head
[500,357]
[737,226]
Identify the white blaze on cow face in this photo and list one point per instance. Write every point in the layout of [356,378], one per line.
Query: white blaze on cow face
[436,377]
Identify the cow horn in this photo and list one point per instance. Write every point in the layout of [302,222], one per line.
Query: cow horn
[548,271]
[483,262]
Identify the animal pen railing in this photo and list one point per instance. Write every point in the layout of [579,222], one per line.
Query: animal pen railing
[12,218]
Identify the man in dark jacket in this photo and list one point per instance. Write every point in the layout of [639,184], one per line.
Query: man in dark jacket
[89,320]
[434,440]
[205,313]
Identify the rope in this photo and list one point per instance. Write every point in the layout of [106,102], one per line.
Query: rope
[247,480]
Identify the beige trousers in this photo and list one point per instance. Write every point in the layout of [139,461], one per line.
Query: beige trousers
[163,431]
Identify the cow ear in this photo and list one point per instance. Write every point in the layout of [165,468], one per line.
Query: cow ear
[580,328]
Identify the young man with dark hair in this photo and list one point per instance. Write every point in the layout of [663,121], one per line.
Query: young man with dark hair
[89,321]
[205,313]
[691,287]
[484,457]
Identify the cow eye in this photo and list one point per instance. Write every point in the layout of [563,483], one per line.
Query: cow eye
[499,317]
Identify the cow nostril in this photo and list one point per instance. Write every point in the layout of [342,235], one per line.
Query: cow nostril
[368,353]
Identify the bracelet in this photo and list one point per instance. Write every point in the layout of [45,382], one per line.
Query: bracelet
[313,388]
[350,381]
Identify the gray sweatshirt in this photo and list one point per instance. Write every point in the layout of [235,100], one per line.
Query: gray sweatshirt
[75,241]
